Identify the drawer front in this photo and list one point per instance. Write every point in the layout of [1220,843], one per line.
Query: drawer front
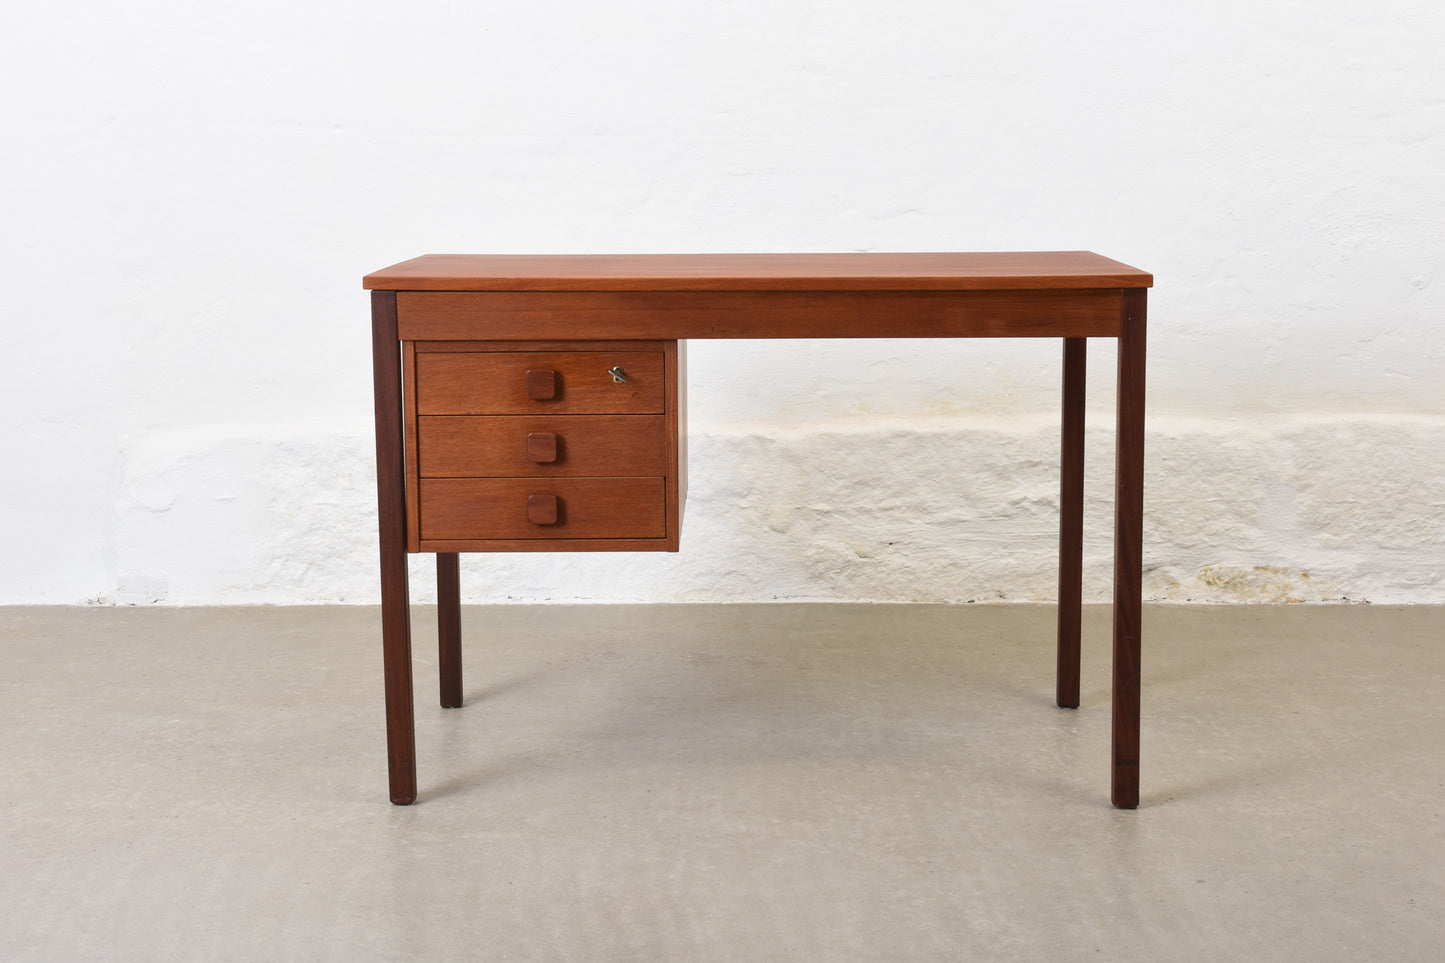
[526,508]
[537,382]
[541,446]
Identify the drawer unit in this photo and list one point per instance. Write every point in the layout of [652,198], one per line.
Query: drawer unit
[543,446]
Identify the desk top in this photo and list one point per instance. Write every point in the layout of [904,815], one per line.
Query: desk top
[993,271]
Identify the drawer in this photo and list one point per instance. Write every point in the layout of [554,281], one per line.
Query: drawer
[541,445]
[535,382]
[520,508]
[488,425]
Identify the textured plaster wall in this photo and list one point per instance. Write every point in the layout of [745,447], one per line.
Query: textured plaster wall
[190,194]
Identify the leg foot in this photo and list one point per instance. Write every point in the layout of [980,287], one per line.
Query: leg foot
[391,515]
[1128,550]
[449,629]
[1071,524]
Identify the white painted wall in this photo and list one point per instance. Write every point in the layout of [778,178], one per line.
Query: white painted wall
[191,193]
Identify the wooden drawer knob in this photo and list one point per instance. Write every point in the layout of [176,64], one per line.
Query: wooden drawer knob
[541,384]
[542,509]
[541,447]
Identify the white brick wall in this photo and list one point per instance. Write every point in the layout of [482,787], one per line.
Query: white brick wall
[953,508]
[191,193]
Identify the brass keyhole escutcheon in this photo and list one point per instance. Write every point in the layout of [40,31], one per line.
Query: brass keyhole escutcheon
[618,375]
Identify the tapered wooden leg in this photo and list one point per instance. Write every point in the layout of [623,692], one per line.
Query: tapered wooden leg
[449,629]
[1128,550]
[391,521]
[1071,523]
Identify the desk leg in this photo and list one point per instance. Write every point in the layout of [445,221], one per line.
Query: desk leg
[391,523]
[1071,523]
[449,629]
[1128,549]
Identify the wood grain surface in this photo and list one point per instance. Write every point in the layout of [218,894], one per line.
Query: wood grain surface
[981,271]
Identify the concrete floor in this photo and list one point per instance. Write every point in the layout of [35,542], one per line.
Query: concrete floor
[779,782]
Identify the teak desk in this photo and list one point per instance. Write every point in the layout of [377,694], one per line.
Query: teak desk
[535,403]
